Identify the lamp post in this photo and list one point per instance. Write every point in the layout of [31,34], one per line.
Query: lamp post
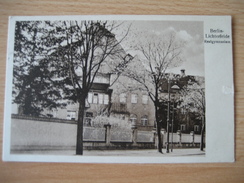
[167,145]
[172,126]
[174,88]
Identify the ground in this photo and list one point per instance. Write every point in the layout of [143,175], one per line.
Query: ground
[146,152]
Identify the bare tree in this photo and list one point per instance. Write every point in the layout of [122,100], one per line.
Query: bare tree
[193,97]
[89,46]
[156,57]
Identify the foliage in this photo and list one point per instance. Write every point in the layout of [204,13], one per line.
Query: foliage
[59,60]
[193,97]
[33,87]
[115,122]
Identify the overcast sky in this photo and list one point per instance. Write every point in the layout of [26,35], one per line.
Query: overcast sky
[191,32]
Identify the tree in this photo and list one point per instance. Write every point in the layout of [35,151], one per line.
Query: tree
[69,56]
[193,98]
[32,78]
[157,55]
[89,45]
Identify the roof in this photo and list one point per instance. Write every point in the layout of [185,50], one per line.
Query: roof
[178,81]
[100,86]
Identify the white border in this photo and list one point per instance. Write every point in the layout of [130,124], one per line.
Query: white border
[219,96]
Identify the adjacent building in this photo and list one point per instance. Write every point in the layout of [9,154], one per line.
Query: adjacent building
[183,118]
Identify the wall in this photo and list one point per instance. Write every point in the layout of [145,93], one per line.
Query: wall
[32,134]
[44,134]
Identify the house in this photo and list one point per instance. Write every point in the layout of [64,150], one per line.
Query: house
[183,118]
[132,104]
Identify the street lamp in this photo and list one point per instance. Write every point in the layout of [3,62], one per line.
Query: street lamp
[172,125]
[167,145]
[174,88]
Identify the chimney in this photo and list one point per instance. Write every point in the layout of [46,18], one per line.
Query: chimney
[183,74]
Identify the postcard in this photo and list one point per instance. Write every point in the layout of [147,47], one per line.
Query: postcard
[119,89]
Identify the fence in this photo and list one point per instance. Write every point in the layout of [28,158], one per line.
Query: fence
[182,140]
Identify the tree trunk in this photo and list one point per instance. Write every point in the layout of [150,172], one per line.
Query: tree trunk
[79,140]
[202,135]
[159,137]
[158,130]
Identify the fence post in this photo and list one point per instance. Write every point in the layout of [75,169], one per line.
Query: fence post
[107,133]
[162,136]
[193,138]
[154,137]
[134,135]
[179,137]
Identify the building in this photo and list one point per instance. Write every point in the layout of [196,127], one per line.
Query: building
[184,119]
[103,100]
[132,104]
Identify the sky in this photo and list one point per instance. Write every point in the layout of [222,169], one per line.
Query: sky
[188,31]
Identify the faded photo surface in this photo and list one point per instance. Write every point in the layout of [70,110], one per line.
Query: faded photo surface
[108,87]
[85,86]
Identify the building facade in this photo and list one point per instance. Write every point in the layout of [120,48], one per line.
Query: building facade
[182,116]
[132,104]
[115,101]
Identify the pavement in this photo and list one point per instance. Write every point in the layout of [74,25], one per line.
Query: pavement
[146,152]
[140,152]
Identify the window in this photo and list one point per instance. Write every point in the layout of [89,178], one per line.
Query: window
[122,98]
[89,98]
[144,121]
[100,98]
[106,99]
[133,119]
[183,127]
[71,115]
[133,98]
[144,99]
[95,98]
[196,128]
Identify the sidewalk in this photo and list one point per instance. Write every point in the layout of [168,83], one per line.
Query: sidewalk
[146,152]
[141,152]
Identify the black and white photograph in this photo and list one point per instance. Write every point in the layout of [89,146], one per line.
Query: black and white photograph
[111,88]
